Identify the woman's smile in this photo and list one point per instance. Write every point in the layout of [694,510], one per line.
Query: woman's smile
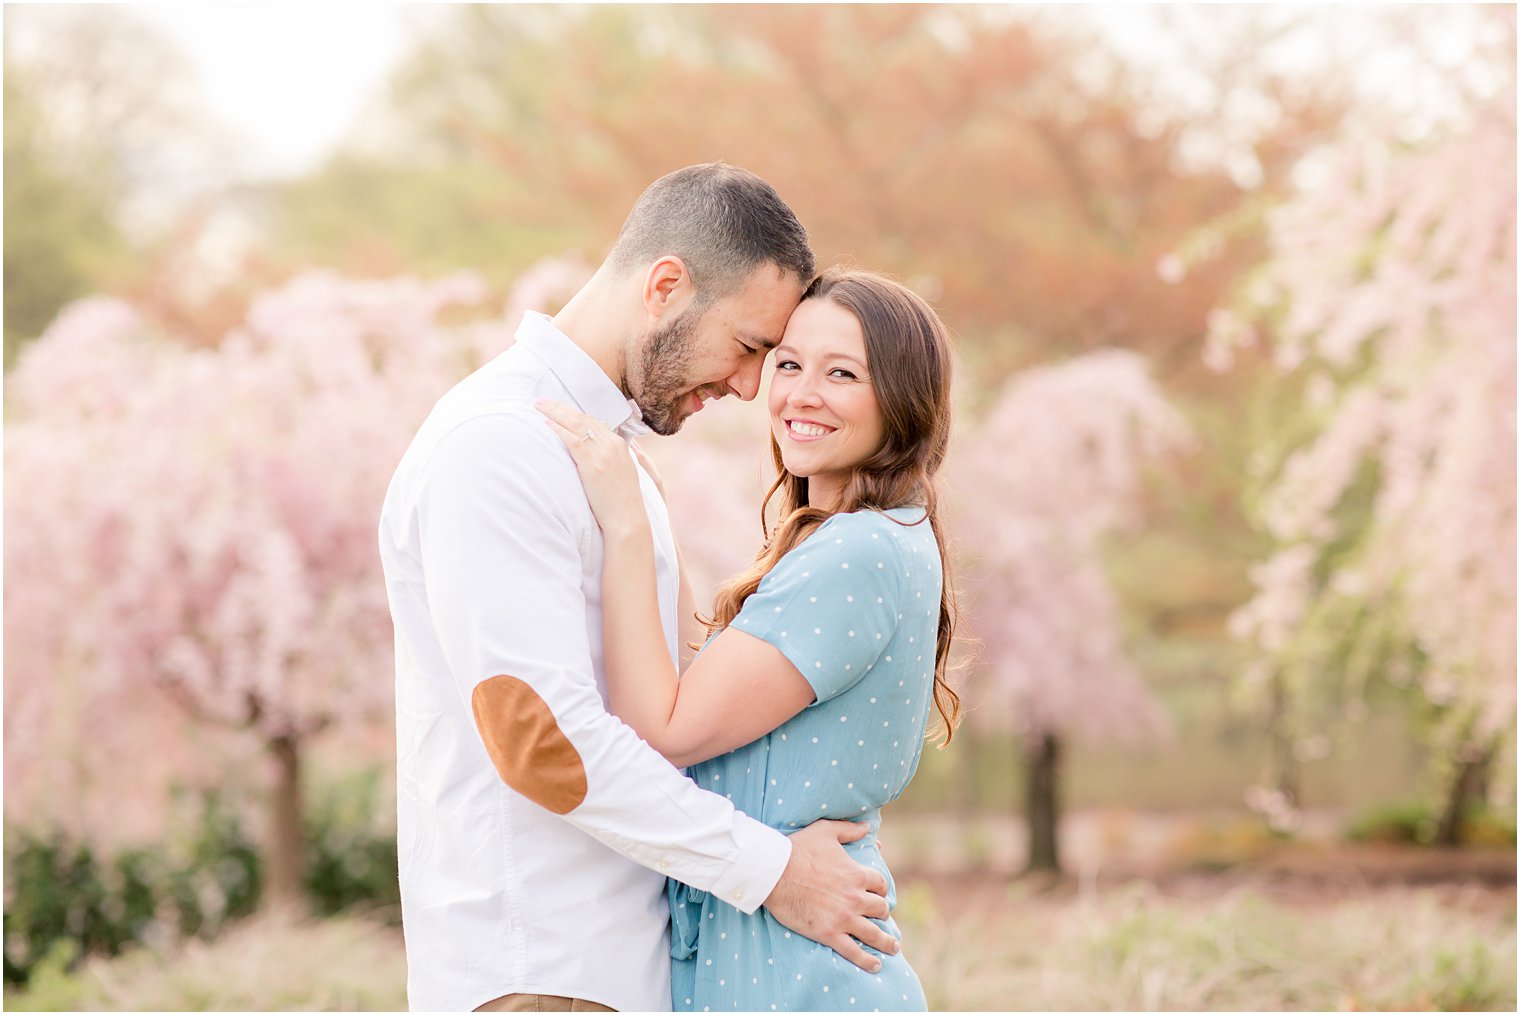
[807,430]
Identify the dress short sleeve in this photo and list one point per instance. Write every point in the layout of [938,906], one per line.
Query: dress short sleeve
[831,605]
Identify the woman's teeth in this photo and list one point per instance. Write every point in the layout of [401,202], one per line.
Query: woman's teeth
[807,429]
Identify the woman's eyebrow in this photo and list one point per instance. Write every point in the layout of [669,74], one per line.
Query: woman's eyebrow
[832,355]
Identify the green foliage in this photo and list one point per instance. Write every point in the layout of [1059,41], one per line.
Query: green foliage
[62,894]
[60,236]
[1404,823]
[351,864]
[66,901]
[1415,823]
[416,218]
[1461,979]
[51,986]
[1214,755]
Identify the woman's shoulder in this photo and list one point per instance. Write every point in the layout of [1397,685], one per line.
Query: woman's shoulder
[851,533]
[868,522]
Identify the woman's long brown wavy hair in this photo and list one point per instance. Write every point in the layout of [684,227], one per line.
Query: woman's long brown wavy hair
[908,356]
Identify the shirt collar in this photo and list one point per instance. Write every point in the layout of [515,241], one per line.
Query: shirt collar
[590,387]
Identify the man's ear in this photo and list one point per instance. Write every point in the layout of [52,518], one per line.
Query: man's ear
[667,287]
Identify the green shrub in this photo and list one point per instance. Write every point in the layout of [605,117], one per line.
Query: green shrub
[1407,822]
[351,863]
[1487,826]
[1415,823]
[65,901]
[61,891]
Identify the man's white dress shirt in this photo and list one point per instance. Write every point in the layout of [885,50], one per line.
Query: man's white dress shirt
[493,565]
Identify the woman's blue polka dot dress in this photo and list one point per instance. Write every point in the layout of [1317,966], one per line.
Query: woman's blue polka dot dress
[855,607]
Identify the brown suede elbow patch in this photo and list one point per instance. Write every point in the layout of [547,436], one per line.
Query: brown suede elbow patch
[531,753]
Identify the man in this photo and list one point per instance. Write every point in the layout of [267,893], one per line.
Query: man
[535,830]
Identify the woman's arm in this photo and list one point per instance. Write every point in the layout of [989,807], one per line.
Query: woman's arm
[738,690]
[689,630]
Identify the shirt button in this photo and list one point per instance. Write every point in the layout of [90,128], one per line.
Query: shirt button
[739,895]
[664,863]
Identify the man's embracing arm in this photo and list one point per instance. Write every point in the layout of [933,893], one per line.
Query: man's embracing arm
[502,539]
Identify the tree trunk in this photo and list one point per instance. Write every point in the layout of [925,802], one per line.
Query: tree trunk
[1467,785]
[1042,807]
[1483,781]
[1284,777]
[968,759]
[285,851]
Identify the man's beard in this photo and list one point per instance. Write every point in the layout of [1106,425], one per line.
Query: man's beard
[663,379]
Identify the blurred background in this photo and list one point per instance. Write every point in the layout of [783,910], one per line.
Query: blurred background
[1232,486]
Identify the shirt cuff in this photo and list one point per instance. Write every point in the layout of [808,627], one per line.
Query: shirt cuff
[763,856]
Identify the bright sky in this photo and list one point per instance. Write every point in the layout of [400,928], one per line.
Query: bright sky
[289,79]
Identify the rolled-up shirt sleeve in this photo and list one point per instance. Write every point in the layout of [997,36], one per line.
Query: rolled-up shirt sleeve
[503,540]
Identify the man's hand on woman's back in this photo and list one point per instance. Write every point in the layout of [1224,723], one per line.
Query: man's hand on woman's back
[826,896]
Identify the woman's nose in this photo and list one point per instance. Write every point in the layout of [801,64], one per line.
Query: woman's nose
[804,392]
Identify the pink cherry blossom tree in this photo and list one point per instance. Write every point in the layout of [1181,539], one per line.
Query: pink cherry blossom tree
[192,539]
[1051,473]
[1389,299]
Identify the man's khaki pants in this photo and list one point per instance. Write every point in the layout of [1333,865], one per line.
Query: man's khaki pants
[541,1002]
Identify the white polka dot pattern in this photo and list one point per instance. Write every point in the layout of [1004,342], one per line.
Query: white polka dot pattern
[852,638]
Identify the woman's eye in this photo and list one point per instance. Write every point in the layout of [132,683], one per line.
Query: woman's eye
[842,372]
[786,364]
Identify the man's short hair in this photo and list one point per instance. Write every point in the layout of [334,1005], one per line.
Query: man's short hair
[722,221]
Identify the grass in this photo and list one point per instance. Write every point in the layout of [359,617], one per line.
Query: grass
[1133,948]
[978,944]
[265,963]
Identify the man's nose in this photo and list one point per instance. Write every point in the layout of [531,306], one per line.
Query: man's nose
[745,382]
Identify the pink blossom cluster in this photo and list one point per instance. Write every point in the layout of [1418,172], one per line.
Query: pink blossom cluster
[1054,470]
[1393,286]
[192,531]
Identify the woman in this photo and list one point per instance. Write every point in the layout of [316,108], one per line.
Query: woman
[811,696]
